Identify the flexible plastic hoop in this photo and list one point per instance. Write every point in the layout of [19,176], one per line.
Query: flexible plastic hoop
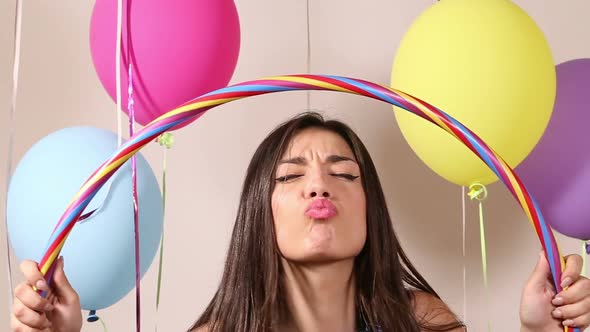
[198,106]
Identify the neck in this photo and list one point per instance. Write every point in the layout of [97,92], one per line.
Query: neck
[320,297]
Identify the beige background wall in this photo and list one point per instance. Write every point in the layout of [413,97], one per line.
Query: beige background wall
[58,88]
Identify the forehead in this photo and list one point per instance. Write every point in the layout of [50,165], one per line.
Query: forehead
[318,140]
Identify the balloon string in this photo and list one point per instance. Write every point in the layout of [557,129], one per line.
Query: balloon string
[135,208]
[12,122]
[131,112]
[464,253]
[585,253]
[584,258]
[484,259]
[483,246]
[164,213]
[86,216]
[118,70]
[166,140]
[308,54]
[104,325]
[479,192]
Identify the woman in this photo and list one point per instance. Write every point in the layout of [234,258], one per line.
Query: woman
[313,249]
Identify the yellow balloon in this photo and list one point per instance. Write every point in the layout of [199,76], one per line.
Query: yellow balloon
[487,64]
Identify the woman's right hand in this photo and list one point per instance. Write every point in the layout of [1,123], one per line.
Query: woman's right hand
[60,311]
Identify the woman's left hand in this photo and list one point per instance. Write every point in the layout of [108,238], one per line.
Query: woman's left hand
[542,310]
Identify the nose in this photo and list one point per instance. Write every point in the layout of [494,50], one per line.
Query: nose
[324,194]
[318,187]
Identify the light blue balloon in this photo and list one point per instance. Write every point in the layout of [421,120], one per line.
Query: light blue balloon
[99,254]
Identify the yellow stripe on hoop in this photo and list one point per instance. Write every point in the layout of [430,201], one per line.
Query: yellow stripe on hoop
[311,81]
[194,106]
[53,255]
[426,111]
[517,189]
[101,173]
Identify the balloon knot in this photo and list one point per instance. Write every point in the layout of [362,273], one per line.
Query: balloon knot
[477,191]
[92,317]
[166,140]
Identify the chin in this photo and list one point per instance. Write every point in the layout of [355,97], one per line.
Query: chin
[323,256]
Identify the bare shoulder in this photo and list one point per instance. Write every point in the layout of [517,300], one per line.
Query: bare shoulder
[433,311]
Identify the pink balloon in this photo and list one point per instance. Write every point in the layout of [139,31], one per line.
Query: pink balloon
[181,49]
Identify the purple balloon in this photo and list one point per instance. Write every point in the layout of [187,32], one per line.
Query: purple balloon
[557,171]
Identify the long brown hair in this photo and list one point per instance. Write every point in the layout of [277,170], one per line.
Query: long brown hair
[251,296]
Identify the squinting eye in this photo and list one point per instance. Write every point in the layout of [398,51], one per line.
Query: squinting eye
[346,176]
[287,177]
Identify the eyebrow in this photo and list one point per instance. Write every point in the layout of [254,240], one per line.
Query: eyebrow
[331,159]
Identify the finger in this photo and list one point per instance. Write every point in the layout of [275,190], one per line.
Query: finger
[17,326]
[577,314]
[541,273]
[28,317]
[580,322]
[31,299]
[62,286]
[51,298]
[574,293]
[573,268]
[34,277]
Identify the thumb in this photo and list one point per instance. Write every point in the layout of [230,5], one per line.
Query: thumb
[541,273]
[62,287]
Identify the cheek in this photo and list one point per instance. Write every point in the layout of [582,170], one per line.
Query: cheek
[359,203]
[358,218]
[284,216]
[281,203]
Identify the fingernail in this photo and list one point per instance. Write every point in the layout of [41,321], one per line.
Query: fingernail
[557,313]
[568,322]
[566,282]
[48,307]
[557,301]
[42,285]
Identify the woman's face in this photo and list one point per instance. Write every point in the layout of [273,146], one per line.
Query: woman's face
[318,203]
